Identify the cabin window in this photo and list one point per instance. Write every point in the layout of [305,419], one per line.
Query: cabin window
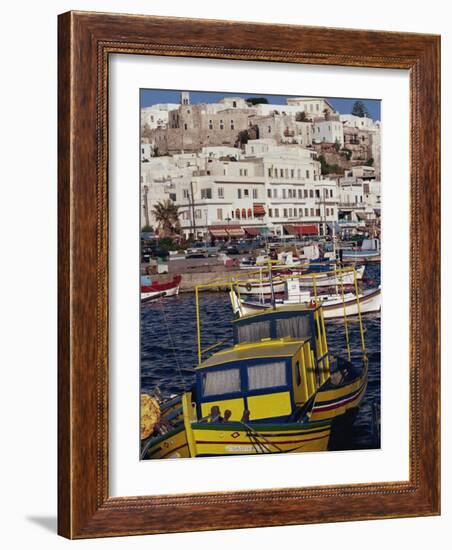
[294,327]
[270,375]
[220,382]
[254,331]
[298,373]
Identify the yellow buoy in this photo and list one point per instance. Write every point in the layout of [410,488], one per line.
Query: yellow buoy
[150,414]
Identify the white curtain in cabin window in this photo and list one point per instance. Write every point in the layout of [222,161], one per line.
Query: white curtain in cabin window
[267,375]
[221,382]
[254,331]
[294,327]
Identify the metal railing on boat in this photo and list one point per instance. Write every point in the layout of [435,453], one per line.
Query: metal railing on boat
[234,282]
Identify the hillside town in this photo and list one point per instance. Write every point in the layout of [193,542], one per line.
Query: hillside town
[243,168]
[260,275]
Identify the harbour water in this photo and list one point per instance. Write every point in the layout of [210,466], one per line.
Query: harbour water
[169,351]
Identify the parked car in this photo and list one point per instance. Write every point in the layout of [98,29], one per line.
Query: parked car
[201,249]
[231,249]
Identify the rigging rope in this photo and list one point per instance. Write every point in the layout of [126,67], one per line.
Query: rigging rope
[172,344]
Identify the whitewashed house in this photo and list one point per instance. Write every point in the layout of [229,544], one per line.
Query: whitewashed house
[330,131]
[156,116]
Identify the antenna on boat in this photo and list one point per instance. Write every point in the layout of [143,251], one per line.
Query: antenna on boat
[270,275]
[335,253]
[361,328]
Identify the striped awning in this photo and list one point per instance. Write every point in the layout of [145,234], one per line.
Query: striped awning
[302,229]
[235,231]
[258,209]
[253,231]
[218,232]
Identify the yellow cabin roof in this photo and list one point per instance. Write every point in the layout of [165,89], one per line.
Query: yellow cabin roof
[283,347]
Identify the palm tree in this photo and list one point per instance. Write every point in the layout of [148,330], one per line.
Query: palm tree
[166,215]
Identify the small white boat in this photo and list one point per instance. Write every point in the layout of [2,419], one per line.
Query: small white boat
[249,262]
[264,287]
[333,303]
[329,278]
[369,252]
[285,259]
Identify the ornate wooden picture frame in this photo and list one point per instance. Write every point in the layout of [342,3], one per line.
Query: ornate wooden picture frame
[86,40]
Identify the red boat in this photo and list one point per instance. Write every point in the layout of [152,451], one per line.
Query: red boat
[156,290]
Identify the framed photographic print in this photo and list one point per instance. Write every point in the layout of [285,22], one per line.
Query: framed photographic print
[248,275]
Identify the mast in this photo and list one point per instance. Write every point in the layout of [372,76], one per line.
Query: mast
[270,276]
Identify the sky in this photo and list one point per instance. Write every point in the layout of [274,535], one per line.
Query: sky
[342,105]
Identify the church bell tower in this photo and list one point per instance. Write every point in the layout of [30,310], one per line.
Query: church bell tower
[185,98]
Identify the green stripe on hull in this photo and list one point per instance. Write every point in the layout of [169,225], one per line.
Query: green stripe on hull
[270,427]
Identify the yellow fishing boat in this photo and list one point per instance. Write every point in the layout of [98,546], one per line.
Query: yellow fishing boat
[275,390]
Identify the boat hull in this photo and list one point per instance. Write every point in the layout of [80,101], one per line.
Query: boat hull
[368,303]
[324,280]
[221,439]
[160,290]
[259,289]
[333,306]
[331,403]
[171,445]
[235,438]
[361,256]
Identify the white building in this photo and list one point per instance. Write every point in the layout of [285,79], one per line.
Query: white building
[283,129]
[259,147]
[296,192]
[281,191]
[330,131]
[156,116]
[312,106]
[160,178]
[217,152]
[265,109]
[362,123]
[359,200]
[146,151]
[361,172]
[221,205]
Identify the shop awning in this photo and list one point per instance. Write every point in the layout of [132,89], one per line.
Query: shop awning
[361,216]
[377,211]
[253,231]
[218,232]
[235,231]
[258,210]
[301,229]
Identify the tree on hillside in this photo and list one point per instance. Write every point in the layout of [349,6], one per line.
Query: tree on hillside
[245,135]
[326,168]
[167,217]
[301,117]
[347,152]
[256,100]
[359,109]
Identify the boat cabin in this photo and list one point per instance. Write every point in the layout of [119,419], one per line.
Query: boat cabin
[271,374]
[299,321]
